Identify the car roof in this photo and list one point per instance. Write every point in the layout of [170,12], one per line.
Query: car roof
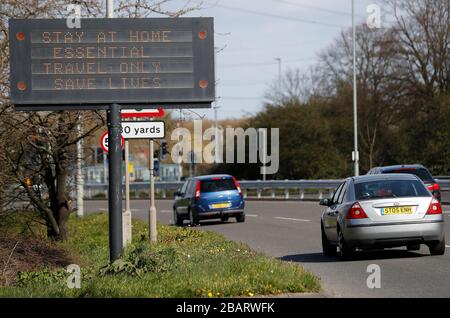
[397,167]
[210,176]
[380,177]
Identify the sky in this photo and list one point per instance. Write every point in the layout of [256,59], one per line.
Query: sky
[251,34]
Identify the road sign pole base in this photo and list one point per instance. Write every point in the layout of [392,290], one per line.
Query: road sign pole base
[126,231]
[153,231]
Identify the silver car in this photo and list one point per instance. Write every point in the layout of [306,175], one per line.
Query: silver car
[378,211]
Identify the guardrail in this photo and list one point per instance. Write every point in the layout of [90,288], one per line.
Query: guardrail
[444,183]
[290,189]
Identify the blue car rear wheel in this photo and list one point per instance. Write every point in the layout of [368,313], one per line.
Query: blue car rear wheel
[176,218]
[193,218]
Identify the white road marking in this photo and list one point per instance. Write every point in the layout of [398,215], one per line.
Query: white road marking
[252,215]
[292,219]
[448,246]
[166,211]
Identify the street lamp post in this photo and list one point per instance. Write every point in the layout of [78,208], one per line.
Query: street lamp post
[355,104]
[278,59]
[152,213]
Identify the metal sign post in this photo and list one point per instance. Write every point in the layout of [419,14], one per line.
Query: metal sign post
[115,183]
[115,171]
[127,213]
[152,214]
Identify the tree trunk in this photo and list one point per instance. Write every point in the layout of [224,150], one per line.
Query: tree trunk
[60,206]
[63,216]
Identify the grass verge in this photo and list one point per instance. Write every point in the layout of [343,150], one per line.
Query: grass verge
[184,263]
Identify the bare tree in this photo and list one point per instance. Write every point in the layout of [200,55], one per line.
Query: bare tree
[39,147]
[423,35]
[377,102]
[295,87]
[145,8]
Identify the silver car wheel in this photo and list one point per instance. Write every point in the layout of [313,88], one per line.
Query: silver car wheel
[176,218]
[341,244]
[345,251]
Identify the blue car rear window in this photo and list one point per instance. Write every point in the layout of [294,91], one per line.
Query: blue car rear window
[217,185]
[423,174]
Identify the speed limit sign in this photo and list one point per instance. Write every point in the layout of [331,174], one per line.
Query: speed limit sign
[104,141]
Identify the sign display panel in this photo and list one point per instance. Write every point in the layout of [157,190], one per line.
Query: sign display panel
[131,62]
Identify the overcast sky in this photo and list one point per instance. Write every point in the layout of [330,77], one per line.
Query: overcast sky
[255,32]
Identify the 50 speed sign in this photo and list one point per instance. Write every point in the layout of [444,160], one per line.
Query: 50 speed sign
[104,141]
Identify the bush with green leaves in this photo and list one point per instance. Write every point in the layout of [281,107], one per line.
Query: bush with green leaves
[143,258]
[42,278]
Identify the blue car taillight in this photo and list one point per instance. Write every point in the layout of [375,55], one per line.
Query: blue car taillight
[237,186]
[197,191]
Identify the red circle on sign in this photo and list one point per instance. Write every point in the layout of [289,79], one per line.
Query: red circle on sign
[21,86]
[122,143]
[203,84]
[20,36]
[202,35]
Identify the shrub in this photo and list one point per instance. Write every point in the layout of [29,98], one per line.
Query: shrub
[142,258]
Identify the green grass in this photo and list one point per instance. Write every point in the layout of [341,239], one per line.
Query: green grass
[184,263]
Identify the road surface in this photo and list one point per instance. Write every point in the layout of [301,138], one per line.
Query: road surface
[291,231]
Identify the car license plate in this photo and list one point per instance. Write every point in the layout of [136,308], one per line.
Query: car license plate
[220,205]
[397,210]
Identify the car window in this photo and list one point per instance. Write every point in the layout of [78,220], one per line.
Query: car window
[184,187]
[189,187]
[337,193]
[214,185]
[422,173]
[390,189]
[193,187]
[342,194]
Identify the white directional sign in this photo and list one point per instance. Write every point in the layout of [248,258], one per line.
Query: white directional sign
[143,129]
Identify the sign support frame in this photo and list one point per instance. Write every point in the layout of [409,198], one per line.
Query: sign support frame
[127,213]
[115,183]
[115,171]
[152,213]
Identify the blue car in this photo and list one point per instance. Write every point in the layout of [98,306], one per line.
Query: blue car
[208,197]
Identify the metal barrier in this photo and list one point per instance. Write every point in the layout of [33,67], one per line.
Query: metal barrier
[444,183]
[272,189]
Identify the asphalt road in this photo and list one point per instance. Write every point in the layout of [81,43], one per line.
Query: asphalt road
[291,231]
